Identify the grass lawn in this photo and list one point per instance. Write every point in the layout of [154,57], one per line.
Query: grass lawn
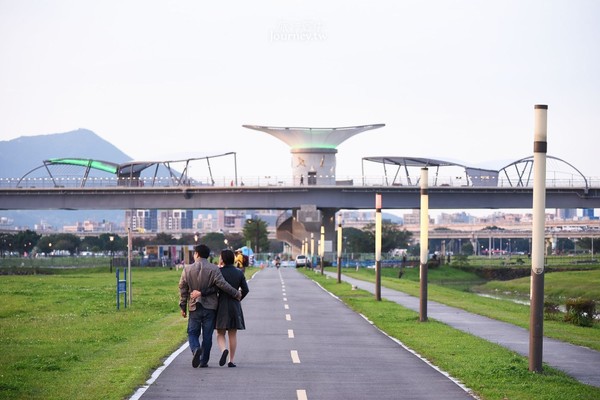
[490,370]
[63,338]
[558,286]
[502,310]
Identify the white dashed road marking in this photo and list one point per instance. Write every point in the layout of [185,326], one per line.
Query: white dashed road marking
[295,358]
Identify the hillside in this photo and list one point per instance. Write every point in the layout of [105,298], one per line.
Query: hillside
[21,155]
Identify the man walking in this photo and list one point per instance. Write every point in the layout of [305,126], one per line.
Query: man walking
[198,294]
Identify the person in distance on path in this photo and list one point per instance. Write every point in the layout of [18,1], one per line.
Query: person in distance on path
[230,317]
[198,293]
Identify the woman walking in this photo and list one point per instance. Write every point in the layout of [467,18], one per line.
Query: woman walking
[230,317]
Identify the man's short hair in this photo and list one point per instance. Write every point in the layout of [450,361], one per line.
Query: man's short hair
[227,257]
[202,250]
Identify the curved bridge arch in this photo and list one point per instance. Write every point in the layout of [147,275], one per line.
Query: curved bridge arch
[520,173]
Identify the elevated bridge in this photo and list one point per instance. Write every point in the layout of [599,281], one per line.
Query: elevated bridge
[308,198]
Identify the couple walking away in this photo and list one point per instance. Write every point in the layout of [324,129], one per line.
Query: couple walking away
[212,296]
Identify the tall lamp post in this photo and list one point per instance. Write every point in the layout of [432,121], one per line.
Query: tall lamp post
[257,248]
[112,251]
[339,249]
[322,249]
[536,317]
[312,248]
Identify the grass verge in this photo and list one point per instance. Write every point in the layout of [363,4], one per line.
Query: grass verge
[501,310]
[491,371]
[63,338]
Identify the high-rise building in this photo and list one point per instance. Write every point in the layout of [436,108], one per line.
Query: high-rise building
[588,213]
[566,213]
[142,220]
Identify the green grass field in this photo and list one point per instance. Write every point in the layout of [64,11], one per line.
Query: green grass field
[63,337]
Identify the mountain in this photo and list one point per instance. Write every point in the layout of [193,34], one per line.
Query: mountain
[21,155]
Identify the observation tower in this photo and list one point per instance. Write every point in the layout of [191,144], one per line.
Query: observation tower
[313,150]
[313,163]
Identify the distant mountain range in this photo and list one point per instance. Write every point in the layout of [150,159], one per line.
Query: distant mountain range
[23,154]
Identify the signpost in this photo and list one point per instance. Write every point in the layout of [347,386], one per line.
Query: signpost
[122,288]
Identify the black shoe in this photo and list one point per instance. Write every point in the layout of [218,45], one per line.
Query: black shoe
[203,365]
[223,359]
[231,365]
[196,358]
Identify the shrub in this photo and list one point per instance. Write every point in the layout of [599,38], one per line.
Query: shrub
[551,311]
[580,311]
[460,260]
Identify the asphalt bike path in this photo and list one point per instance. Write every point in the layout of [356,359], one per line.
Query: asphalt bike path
[579,362]
[303,343]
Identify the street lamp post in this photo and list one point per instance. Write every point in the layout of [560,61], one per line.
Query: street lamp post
[257,248]
[112,251]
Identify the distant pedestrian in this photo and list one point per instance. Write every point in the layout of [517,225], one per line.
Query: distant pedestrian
[198,294]
[302,179]
[230,317]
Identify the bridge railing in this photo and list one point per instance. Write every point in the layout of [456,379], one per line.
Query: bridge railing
[263,181]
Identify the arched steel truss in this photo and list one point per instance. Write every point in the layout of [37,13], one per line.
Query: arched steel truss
[79,172]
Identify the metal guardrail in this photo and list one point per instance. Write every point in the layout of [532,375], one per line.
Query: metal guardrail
[260,181]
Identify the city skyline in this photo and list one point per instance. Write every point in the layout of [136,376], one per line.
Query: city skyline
[215,220]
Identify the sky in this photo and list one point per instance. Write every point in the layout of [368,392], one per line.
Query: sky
[166,80]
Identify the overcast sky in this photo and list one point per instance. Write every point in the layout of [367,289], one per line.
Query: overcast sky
[170,79]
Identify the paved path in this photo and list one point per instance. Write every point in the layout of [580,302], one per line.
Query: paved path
[302,343]
[579,362]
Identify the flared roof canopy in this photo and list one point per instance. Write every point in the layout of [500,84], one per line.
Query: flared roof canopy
[311,138]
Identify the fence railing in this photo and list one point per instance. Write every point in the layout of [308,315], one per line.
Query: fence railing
[261,181]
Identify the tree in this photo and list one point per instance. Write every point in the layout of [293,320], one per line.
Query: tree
[92,243]
[255,232]
[235,240]
[392,237]
[7,243]
[60,241]
[164,238]
[25,241]
[357,241]
[467,248]
[186,238]
[138,243]
[587,244]
[492,228]
[215,242]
